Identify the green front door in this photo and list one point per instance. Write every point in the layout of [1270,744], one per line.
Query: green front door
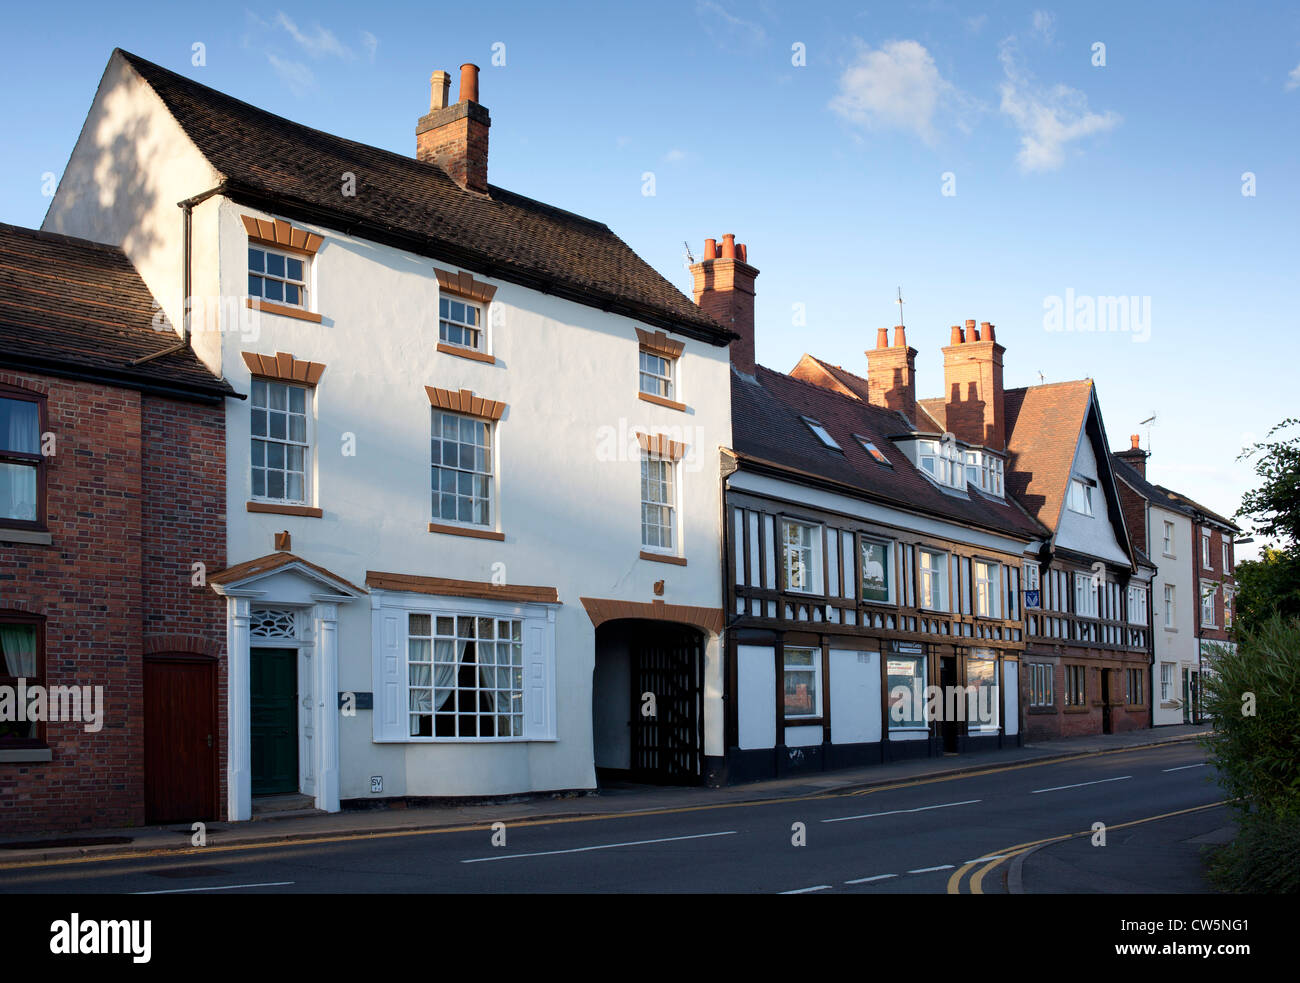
[273,698]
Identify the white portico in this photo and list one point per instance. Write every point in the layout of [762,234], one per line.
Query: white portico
[282,617]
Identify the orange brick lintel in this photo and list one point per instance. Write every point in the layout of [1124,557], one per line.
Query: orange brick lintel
[280,234]
[464,285]
[659,343]
[284,367]
[466,402]
[660,446]
[443,587]
[600,610]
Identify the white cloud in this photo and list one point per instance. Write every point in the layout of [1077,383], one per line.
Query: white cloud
[318,45]
[675,155]
[1293,79]
[295,74]
[370,43]
[1045,25]
[1048,118]
[896,86]
[726,26]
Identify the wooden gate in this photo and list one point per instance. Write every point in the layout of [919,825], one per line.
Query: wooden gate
[180,738]
[668,662]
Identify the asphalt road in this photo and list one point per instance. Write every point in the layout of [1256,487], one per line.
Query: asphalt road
[916,837]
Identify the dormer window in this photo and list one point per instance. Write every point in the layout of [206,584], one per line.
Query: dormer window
[984,471]
[942,462]
[1080,499]
[874,451]
[821,433]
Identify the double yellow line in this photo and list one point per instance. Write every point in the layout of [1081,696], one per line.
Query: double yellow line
[996,857]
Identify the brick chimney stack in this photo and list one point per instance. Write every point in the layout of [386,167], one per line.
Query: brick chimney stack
[891,373]
[972,381]
[456,137]
[724,289]
[1135,457]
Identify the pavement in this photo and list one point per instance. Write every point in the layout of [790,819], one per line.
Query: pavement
[25,849]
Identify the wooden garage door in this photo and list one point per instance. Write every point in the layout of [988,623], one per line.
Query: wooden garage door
[180,739]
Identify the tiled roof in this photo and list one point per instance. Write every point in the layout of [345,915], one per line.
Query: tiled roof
[1152,493]
[68,305]
[936,412]
[1197,507]
[500,234]
[1043,427]
[766,422]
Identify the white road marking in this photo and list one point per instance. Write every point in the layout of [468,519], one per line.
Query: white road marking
[603,846]
[1200,764]
[980,860]
[898,812]
[1099,781]
[868,880]
[927,870]
[806,890]
[224,887]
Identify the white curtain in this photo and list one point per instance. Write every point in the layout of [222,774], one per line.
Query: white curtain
[445,677]
[19,645]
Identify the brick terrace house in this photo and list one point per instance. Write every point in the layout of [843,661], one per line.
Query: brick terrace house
[1087,653]
[112,462]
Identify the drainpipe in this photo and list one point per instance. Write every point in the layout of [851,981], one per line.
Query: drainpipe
[187,207]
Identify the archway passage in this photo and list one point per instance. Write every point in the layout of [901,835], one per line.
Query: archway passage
[648,703]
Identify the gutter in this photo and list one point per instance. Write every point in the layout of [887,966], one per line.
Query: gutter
[124,379]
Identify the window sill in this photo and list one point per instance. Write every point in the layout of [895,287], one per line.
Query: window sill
[25,755]
[270,307]
[30,537]
[1074,709]
[664,558]
[672,404]
[275,508]
[817,721]
[1041,709]
[462,531]
[467,353]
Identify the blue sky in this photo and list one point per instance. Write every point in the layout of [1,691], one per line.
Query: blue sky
[1123,179]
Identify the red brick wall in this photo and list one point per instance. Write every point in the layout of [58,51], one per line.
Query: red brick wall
[120,506]
[1045,725]
[1134,508]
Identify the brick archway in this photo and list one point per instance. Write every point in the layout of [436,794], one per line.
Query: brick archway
[600,610]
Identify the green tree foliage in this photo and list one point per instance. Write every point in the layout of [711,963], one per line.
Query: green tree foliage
[1271,584]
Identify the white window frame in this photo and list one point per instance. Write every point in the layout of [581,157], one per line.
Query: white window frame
[663,386]
[1137,603]
[306,445]
[1171,607]
[1080,497]
[890,587]
[1227,555]
[1207,606]
[390,665]
[812,548]
[303,285]
[935,577]
[987,588]
[1166,680]
[1032,577]
[984,471]
[944,468]
[673,547]
[1169,538]
[1206,562]
[1086,596]
[490,461]
[447,322]
[815,668]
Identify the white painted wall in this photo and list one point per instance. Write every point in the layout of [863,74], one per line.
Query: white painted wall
[855,696]
[1093,535]
[1179,644]
[756,696]
[571,517]
[806,735]
[1011,695]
